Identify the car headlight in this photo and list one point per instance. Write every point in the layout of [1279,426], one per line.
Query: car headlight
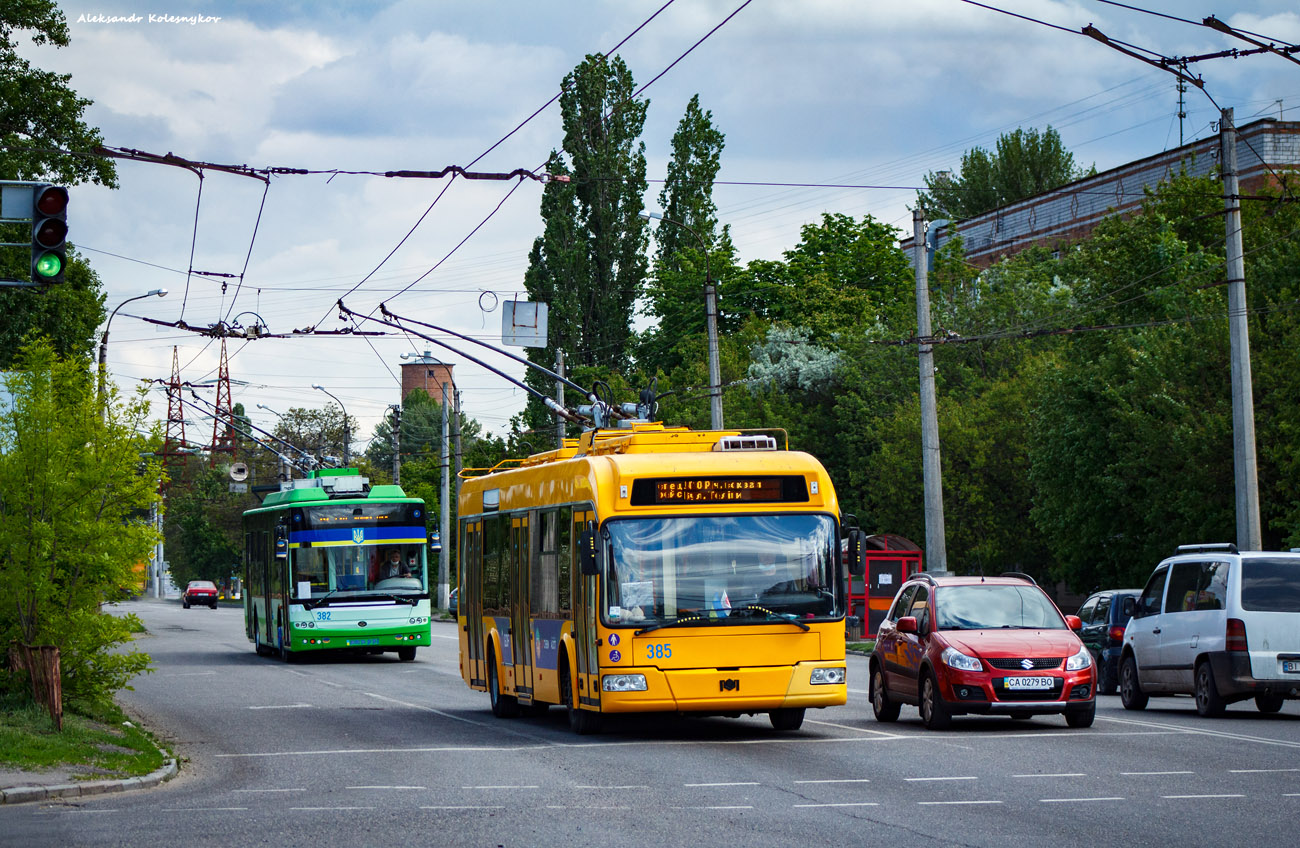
[623,683]
[956,659]
[1080,660]
[827,676]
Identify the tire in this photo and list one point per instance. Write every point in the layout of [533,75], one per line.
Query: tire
[935,714]
[185,603]
[1106,682]
[406,653]
[1130,688]
[884,709]
[257,637]
[1082,718]
[785,719]
[213,605]
[503,706]
[581,722]
[1208,701]
[1267,703]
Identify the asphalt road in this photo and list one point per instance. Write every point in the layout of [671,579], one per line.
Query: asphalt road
[372,751]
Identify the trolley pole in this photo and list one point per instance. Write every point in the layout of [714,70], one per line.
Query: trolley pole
[1249,536]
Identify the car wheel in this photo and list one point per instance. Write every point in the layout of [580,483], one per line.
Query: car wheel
[935,714]
[581,722]
[1082,718]
[503,706]
[790,718]
[213,605]
[1267,703]
[185,603]
[1130,690]
[881,705]
[1208,701]
[406,653]
[1106,683]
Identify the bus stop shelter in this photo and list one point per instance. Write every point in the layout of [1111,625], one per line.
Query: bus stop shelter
[890,561]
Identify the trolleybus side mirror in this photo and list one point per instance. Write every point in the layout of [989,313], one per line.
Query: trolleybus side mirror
[281,543]
[857,552]
[589,550]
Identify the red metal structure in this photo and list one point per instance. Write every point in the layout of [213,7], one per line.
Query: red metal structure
[172,453]
[890,561]
[223,432]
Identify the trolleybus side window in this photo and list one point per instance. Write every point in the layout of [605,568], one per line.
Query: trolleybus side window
[495,537]
[551,572]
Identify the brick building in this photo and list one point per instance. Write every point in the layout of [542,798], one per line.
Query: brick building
[1070,213]
[427,374]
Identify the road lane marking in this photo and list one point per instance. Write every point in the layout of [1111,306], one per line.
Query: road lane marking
[1193,797]
[1222,734]
[881,733]
[842,780]
[283,707]
[1063,774]
[467,807]
[270,790]
[189,674]
[203,809]
[734,807]
[629,786]
[500,787]
[927,779]
[1075,800]
[1152,773]
[323,809]
[705,785]
[569,807]
[850,804]
[1260,771]
[953,803]
[392,788]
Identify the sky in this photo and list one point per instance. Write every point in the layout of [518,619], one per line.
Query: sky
[828,106]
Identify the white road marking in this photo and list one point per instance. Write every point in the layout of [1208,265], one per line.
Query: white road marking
[1064,774]
[1260,771]
[629,786]
[467,807]
[737,807]
[854,804]
[283,707]
[926,779]
[269,790]
[323,809]
[1152,773]
[202,809]
[883,733]
[1074,800]
[701,785]
[950,803]
[1193,797]
[844,780]
[500,787]
[189,674]
[563,807]
[1222,734]
[392,788]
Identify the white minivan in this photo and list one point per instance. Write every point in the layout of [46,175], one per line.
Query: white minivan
[1219,624]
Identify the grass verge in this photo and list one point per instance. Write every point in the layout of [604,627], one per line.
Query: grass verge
[864,647]
[97,746]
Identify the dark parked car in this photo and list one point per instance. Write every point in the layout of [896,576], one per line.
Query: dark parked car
[451,601]
[200,592]
[1104,616]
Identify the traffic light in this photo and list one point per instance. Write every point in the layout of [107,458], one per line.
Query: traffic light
[49,233]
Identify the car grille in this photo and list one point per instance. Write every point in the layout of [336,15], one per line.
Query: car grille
[1017,663]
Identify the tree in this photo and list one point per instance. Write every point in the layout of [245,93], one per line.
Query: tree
[75,499]
[589,264]
[41,117]
[204,528]
[1024,163]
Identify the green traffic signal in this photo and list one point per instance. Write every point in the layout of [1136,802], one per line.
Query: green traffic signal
[49,233]
[48,267]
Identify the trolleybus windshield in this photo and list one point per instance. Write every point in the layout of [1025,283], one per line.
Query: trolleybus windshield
[746,569]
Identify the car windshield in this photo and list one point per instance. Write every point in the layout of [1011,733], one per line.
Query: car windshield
[395,569]
[995,606]
[726,569]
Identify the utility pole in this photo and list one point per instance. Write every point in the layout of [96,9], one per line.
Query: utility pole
[936,550]
[445,517]
[559,398]
[397,444]
[1249,537]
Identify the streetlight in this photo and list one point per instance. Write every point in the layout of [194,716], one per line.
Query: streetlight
[711,316]
[347,447]
[103,345]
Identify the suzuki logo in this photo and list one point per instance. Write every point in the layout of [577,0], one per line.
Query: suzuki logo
[728,685]
[1026,663]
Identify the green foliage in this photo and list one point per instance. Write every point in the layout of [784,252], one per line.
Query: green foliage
[97,737]
[1024,163]
[204,527]
[75,494]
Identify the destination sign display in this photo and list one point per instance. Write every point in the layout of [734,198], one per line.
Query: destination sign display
[719,490]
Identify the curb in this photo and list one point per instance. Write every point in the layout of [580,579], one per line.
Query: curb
[27,794]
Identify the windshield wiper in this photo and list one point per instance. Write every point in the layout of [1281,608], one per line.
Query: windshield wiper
[679,622]
[788,618]
[400,599]
[312,604]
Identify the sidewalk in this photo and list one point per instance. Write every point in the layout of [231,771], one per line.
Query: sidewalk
[18,786]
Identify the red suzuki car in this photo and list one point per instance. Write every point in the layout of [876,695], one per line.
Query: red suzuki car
[200,592]
[987,645]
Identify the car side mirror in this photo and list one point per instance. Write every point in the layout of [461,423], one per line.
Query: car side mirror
[1128,607]
[906,624]
[1074,622]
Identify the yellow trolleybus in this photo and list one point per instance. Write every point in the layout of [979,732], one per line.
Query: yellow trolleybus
[654,569]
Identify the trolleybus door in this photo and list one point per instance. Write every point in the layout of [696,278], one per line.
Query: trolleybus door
[586,597]
[521,641]
[470,602]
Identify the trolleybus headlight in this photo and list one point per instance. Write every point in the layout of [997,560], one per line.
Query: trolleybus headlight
[827,676]
[623,683]
[1081,660]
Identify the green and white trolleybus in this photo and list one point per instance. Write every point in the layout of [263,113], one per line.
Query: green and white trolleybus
[332,563]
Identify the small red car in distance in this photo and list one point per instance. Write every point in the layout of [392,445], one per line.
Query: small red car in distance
[987,645]
[200,592]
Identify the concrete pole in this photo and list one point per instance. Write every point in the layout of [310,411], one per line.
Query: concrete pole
[444,561]
[397,445]
[1249,536]
[936,549]
[559,398]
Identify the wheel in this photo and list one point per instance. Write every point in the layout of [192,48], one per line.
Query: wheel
[1130,689]
[1208,701]
[1082,718]
[790,718]
[213,605]
[185,603]
[1269,703]
[1106,682]
[503,706]
[934,712]
[257,637]
[406,653]
[881,705]
[581,722]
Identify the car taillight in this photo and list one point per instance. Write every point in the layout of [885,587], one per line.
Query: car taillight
[1236,636]
[1116,633]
